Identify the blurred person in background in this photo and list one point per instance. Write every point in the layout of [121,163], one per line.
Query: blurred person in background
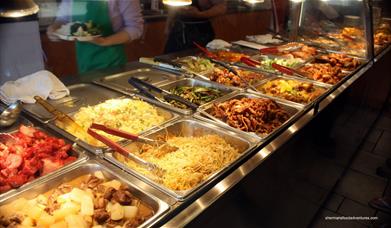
[189,24]
[120,21]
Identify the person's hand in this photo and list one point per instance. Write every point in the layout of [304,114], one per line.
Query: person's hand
[100,41]
[50,32]
[191,11]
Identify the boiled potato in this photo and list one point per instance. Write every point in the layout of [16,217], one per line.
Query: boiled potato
[130,212]
[35,212]
[87,205]
[117,212]
[61,224]
[99,175]
[28,222]
[45,220]
[77,195]
[114,183]
[76,221]
[67,208]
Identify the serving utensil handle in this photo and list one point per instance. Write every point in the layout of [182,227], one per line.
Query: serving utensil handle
[118,148]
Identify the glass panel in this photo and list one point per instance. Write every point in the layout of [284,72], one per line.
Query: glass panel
[337,25]
[381,13]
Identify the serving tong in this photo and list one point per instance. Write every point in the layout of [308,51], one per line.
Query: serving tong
[66,121]
[118,148]
[145,88]
[279,49]
[212,57]
[288,70]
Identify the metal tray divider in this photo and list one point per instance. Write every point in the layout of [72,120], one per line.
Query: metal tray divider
[163,206]
[327,87]
[182,195]
[81,157]
[99,151]
[197,82]
[291,105]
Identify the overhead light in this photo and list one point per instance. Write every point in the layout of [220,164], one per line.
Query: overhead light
[298,1]
[18,8]
[254,1]
[177,2]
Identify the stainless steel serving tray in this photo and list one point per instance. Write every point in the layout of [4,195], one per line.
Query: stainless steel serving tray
[345,72]
[293,109]
[315,83]
[89,167]
[260,58]
[195,82]
[151,74]
[80,95]
[191,127]
[168,116]
[90,95]
[75,151]
[204,75]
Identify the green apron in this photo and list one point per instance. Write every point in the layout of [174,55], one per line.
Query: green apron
[91,56]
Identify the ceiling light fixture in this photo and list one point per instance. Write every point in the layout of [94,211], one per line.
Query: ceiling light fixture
[18,8]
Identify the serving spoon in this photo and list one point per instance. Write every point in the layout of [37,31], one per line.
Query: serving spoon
[10,114]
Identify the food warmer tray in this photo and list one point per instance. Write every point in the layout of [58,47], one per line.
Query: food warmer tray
[195,82]
[89,95]
[75,151]
[152,74]
[188,126]
[315,83]
[347,73]
[293,110]
[80,95]
[89,167]
[204,75]
[260,58]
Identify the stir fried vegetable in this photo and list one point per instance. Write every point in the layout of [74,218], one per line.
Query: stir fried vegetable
[197,64]
[267,63]
[198,95]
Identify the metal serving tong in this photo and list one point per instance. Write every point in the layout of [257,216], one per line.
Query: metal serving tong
[205,51]
[250,62]
[145,87]
[211,57]
[67,123]
[179,67]
[118,148]
[288,70]
[279,49]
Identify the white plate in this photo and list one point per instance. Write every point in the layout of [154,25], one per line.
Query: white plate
[64,33]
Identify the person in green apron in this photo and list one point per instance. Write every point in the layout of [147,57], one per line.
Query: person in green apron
[120,21]
[191,24]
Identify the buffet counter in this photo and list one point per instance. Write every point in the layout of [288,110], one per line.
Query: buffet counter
[179,208]
[300,111]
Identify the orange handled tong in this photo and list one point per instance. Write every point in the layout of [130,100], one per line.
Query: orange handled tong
[118,148]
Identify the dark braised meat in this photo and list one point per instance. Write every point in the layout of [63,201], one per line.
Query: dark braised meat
[223,76]
[251,114]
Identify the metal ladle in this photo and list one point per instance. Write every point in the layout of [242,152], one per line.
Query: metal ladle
[10,114]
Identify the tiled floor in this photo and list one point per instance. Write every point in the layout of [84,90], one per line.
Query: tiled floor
[360,183]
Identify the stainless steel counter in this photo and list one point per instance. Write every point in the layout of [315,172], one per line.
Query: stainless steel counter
[183,212]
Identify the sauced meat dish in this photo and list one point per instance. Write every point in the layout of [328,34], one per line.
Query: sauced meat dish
[257,115]
[341,60]
[323,72]
[87,201]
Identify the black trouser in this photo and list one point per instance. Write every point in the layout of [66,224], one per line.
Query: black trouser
[183,34]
